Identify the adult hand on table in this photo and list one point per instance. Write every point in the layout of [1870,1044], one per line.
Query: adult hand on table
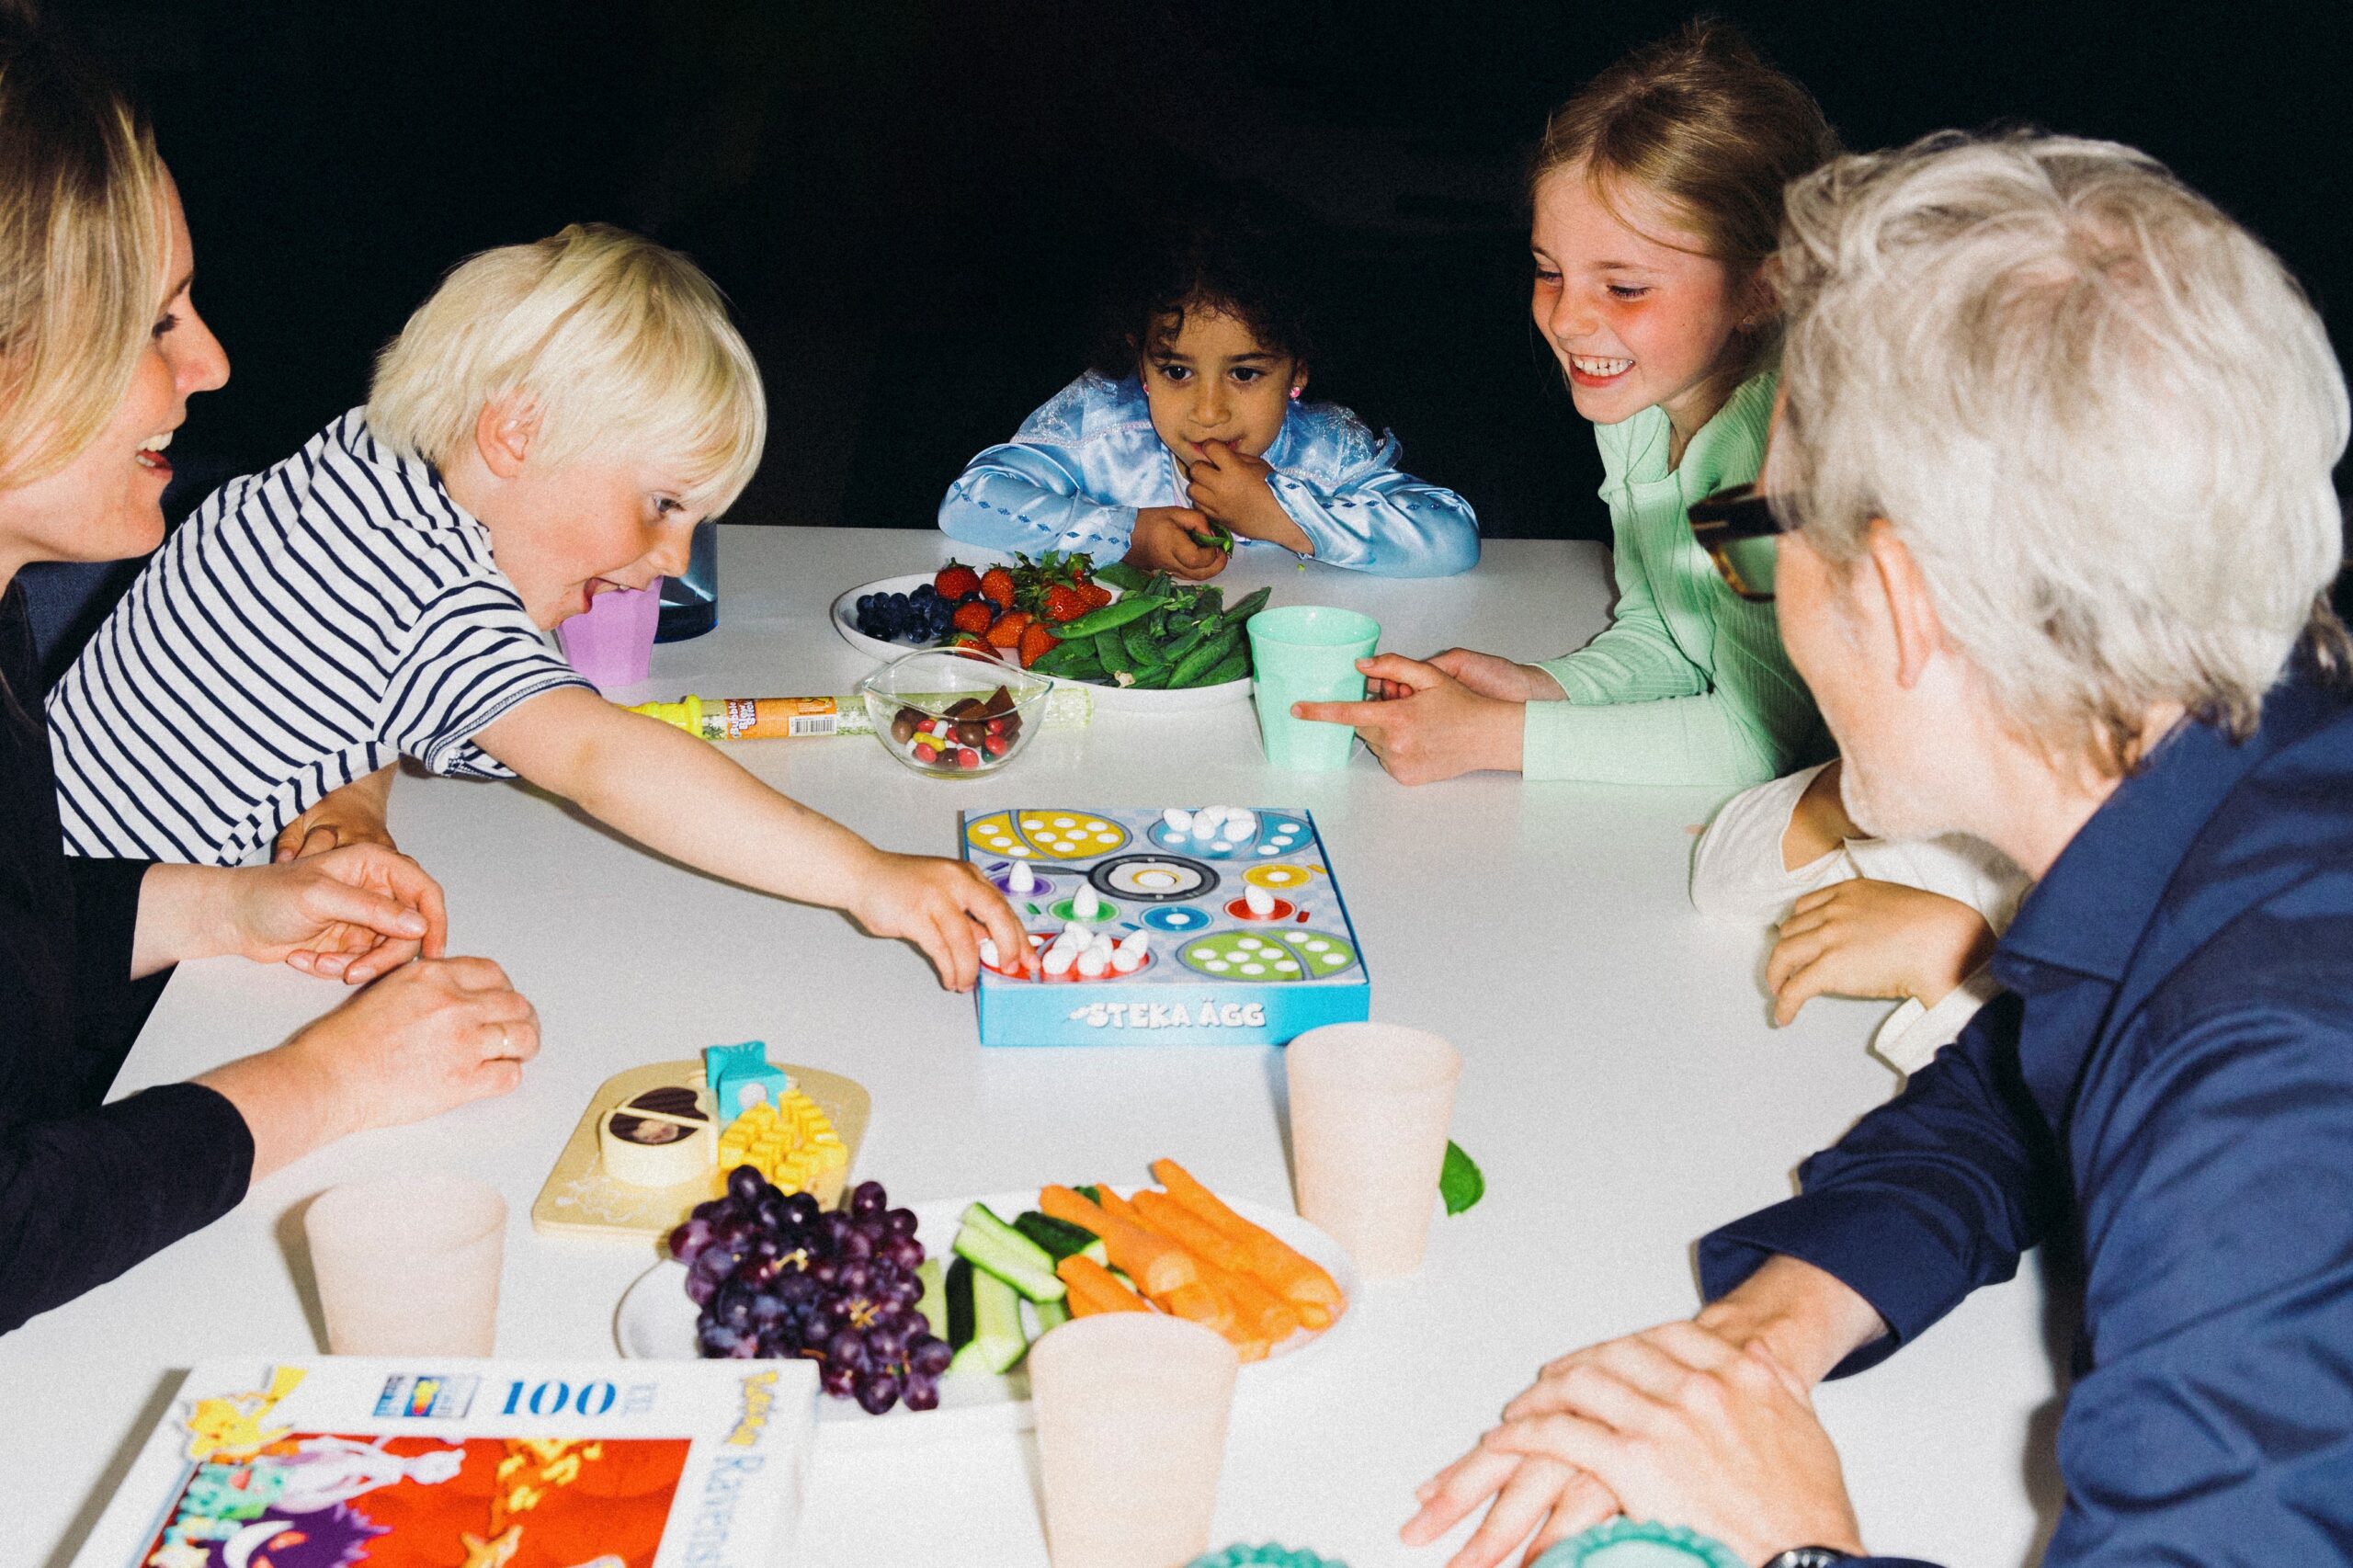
[1485,674]
[944,907]
[1703,1424]
[353,814]
[1863,937]
[1163,541]
[1438,728]
[425,1039]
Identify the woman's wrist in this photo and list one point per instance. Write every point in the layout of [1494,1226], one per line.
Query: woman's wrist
[185,912]
[1807,1318]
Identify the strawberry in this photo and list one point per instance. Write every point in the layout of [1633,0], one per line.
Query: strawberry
[973,617]
[1036,643]
[997,586]
[956,581]
[1095,594]
[969,640]
[1006,633]
[1064,603]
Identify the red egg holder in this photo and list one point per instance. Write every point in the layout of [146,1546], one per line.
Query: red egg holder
[1038,942]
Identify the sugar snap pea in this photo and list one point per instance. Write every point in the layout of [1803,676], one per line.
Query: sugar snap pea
[1116,614]
[1234,666]
[1206,657]
[1244,608]
[1138,641]
[1122,576]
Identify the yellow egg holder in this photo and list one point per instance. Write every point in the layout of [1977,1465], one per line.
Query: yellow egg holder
[580,1198]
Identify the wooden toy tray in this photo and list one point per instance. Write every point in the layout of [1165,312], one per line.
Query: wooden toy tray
[580,1199]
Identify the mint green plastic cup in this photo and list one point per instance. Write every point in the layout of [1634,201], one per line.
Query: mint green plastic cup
[1308,654]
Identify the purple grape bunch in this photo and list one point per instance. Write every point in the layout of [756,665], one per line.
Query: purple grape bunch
[777,1276]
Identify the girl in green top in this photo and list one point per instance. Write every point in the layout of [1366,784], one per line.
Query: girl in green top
[1657,198]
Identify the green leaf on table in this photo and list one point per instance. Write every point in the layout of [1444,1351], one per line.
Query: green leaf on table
[1458,1180]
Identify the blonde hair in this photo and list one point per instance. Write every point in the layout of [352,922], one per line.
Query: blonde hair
[2099,414]
[1703,123]
[611,341]
[84,240]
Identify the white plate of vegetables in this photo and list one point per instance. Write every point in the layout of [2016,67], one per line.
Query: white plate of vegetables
[990,1277]
[1186,622]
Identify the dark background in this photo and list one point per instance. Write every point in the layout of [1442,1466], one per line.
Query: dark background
[907,199]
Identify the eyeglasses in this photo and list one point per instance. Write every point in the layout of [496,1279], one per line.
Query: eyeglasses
[1740,532]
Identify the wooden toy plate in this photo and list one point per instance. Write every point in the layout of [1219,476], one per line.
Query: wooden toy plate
[580,1199]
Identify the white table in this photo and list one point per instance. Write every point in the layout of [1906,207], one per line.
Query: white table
[1623,1090]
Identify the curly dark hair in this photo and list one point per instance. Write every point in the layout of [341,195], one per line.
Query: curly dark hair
[1222,258]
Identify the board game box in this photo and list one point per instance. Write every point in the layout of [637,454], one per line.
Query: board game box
[454,1463]
[1183,925]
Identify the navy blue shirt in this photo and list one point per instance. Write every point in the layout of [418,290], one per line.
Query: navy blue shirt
[2170,1077]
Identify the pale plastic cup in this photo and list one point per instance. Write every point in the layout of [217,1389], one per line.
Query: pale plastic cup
[1370,1106]
[1308,654]
[611,642]
[1132,1410]
[409,1265]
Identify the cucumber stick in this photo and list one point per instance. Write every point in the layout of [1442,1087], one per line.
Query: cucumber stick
[934,1305]
[997,1342]
[1051,1315]
[1059,1238]
[957,1288]
[997,1248]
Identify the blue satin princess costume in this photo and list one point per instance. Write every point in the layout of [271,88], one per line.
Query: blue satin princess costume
[1075,473]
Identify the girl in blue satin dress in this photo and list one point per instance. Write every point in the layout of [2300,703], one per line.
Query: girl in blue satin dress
[1188,438]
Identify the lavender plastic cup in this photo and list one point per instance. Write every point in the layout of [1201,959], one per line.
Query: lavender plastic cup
[612,643]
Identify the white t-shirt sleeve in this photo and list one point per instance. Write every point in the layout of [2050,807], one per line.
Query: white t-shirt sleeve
[475,655]
[1737,870]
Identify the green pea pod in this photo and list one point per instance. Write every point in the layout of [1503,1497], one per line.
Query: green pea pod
[1206,657]
[1122,576]
[1058,661]
[1159,585]
[1116,614]
[1138,641]
[1153,679]
[1244,608]
[1234,666]
[1184,643]
[1109,652]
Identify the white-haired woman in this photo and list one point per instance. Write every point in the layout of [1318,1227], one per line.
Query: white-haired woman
[101,348]
[2052,489]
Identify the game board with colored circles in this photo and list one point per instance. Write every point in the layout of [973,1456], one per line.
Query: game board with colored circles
[1184,926]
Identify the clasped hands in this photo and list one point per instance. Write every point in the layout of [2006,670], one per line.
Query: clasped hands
[1701,1424]
[1223,485]
[1428,720]
[352,914]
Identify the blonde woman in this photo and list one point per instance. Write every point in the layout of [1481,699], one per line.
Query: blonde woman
[101,348]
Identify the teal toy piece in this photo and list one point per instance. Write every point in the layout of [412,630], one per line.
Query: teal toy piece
[1268,1556]
[1631,1543]
[741,1077]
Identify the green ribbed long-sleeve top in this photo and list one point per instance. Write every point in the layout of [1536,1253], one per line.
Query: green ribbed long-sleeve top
[1689,684]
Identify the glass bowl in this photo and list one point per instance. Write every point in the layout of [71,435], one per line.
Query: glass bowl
[952,713]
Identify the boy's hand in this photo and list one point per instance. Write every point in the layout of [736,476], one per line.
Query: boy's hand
[935,903]
[350,913]
[1230,486]
[1439,728]
[1871,938]
[1163,541]
[353,814]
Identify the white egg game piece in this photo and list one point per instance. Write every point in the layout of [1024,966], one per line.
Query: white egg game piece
[1059,959]
[1205,822]
[1259,902]
[1240,824]
[1179,820]
[1086,904]
[1093,963]
[1021,881]
[1129,955]
[988,951]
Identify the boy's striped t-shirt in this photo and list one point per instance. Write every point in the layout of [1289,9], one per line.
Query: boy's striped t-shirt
[305,627]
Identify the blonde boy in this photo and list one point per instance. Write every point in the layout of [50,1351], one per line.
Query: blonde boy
[551,424]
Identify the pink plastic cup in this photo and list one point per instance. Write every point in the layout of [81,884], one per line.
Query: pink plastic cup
[612,643]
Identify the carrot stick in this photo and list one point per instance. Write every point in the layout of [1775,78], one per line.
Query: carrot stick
[1154,1262]
[1093,1290]
[1256,1309]
[1298,1279]
[1201,1304]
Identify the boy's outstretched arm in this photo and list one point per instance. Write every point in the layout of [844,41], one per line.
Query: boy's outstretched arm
[678,795]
